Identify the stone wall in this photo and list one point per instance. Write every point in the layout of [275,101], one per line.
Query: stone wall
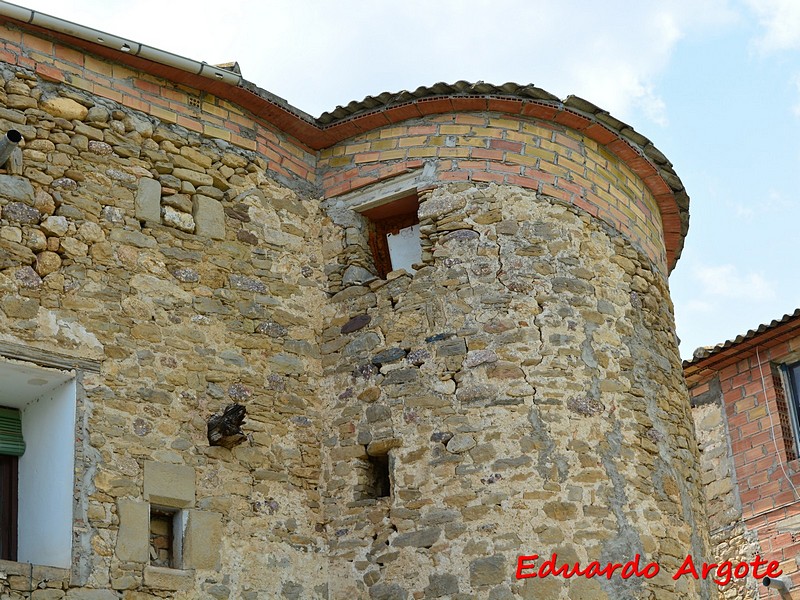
[730,538]
[195,281]
[525,384]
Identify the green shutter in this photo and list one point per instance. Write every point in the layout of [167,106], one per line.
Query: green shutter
[11,442]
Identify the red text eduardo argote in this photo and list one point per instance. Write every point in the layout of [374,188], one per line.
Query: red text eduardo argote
[721,573]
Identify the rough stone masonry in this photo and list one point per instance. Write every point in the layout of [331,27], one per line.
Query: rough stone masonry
[522,388]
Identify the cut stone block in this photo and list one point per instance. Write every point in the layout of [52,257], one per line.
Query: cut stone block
[202,540]
[209,217]
[148,200]
[168,485]
[133,542]
[162,578]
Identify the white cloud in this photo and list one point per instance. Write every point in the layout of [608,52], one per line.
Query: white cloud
[726,282]
[780,20]
[774,202]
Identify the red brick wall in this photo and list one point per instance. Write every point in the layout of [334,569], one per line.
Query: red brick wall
[766,495]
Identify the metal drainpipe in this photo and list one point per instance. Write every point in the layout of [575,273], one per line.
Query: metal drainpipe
[96,36]
[8,143]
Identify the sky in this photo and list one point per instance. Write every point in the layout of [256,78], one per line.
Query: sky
[715,84]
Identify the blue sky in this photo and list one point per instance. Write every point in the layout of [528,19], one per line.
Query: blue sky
[715,84]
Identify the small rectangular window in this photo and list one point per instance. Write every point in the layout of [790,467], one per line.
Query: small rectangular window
[374,479]
[394,235]
[166,537]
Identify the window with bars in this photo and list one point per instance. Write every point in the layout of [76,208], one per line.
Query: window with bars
[788,408]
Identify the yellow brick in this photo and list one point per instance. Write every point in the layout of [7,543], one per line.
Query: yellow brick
[96,66]
[606,197]
[521,160]
[597,158]
[384,144]
[475,142]
[325,153]
[553,169]
[68,67]
[598,181]
[463,119]
[82,84]
[340,161]
[454,152]
[545,154]
[232,108]
[356,148]
[214,109]
[504,123]
[633,213]
[589,143]
[167,116]
[554,146]
[525,138]
[244,142]
[101,90]
[542,132]
[393,154]
[294,151]
[616,175]
[216,132]
[120,72]
[581,181]
[608,155]
[392,132]
[416,140]
[454,129]
[574,166]
[485,132]
[421,152]
[651,204]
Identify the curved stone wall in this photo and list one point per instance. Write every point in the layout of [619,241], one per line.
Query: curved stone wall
[527,382]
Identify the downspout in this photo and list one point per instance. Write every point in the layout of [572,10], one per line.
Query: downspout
[25,15]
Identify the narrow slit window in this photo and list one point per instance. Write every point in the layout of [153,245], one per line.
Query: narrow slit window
[379,483]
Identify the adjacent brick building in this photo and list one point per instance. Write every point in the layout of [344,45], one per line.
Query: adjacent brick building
[176,244]
[745,404]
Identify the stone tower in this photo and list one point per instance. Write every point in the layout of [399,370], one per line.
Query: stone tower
[524,382]
[446,313]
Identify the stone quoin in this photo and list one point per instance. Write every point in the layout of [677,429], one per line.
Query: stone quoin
[175,246]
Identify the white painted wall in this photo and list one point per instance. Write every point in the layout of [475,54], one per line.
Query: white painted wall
[46,399]
[405,248]
[46,478]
